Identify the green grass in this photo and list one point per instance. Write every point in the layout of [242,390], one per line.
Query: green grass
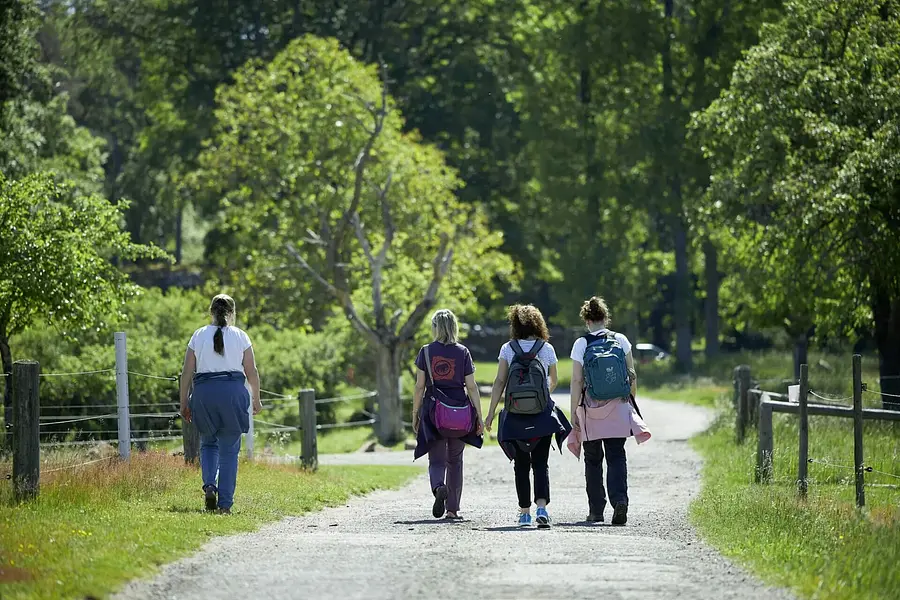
[337,441]
[823,547]
[94,529]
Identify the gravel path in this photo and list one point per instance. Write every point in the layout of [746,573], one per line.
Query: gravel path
[386,545]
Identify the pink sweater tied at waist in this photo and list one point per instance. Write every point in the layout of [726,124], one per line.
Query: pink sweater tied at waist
[612,419]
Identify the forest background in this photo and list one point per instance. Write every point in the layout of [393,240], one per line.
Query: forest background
[724,173]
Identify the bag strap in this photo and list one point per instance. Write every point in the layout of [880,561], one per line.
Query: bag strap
[428,366]
[519,352]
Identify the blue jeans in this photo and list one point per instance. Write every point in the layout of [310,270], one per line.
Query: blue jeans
[616,476]
[219,454]
[220,409]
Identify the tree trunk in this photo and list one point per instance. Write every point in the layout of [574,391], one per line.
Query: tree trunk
[389,428]
[801,353]
[179,236]
[6,354]
[886,311]
[683,353]
[712,298]
[673,139]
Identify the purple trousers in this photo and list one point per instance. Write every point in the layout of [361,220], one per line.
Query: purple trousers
[445,467]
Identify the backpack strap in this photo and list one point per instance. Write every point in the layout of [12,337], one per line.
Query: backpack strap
[519,353]
[428,366]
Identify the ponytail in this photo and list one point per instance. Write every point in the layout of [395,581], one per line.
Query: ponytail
[221,308]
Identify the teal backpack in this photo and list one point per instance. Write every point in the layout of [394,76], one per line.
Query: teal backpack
[605,371]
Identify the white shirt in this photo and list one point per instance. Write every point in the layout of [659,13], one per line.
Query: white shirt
[235,341]
[546,355]
[580,345]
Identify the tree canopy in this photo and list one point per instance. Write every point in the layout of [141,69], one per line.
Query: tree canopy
[803,149]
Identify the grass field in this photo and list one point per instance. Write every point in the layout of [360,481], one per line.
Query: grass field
[94,528]
[823,547]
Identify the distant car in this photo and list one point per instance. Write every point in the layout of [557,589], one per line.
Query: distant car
[645,353]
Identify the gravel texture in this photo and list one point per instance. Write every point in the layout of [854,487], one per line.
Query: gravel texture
[386,545]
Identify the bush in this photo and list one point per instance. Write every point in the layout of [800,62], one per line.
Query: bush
[159,326]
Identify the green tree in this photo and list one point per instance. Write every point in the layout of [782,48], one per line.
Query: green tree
[36,133]
[804,149]
[55,257]
[309,156]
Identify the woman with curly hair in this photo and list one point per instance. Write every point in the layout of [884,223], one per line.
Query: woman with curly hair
[527,374]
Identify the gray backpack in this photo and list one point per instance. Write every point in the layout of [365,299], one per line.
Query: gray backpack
[527,392]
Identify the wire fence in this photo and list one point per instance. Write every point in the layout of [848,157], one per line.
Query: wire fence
[168,412]
[831,400]
[866,468]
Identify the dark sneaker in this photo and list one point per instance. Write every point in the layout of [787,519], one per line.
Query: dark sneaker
[620,514]
[224,511]
[211,500]
[592,518]
[440,502]
[453,517]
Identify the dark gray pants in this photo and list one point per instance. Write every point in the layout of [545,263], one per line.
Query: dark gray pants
[616,476]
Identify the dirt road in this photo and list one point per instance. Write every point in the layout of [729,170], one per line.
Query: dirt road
[386,545]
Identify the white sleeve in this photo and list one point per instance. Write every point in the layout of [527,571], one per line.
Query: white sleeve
[245,341]
[192,344]
[623,341]
[578,348]
[551,360]
[506,353]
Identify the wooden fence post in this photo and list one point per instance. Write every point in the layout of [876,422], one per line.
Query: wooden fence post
[858,432]
[26,470]
[743,408]
[765,445]
[803,459]
[310,453]
[736,380]
[122,395]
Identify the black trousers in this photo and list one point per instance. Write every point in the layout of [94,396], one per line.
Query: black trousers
[536,461]
[616,476]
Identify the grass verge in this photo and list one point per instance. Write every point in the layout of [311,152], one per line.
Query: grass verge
[93,529]
[823,547]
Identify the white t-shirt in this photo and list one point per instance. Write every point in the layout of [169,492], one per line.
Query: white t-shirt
[580,345]
[547,355]
[208,360]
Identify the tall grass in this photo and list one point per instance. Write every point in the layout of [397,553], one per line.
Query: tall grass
[93,528]
[822,547]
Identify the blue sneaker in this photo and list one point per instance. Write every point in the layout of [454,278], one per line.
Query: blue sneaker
[525,519]
[542,518]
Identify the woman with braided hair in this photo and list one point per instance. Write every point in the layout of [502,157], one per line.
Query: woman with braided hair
[218,365]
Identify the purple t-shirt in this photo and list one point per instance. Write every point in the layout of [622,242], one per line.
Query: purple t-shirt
[450,364]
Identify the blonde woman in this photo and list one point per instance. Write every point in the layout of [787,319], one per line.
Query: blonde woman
[446,412]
